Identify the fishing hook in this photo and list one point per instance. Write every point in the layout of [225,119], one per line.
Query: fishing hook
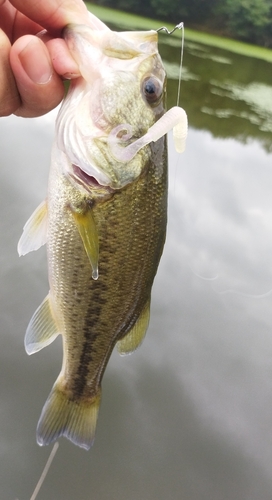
[179,26]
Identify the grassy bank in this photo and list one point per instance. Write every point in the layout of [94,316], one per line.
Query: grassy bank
[137,22]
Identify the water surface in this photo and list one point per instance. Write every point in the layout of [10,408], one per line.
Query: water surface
[189,415]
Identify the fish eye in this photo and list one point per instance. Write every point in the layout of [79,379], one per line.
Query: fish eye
[152,89]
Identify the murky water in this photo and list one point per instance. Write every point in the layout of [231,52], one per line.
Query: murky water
[189,415]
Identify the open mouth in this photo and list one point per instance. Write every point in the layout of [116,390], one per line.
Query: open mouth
[83,178]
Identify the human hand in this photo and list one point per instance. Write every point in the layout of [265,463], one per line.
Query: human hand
[32,67]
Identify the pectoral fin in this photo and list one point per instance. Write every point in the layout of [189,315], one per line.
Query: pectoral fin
[35,231]
[42,328]
[135,336]
[88,232]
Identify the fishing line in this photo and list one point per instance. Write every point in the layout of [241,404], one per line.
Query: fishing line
[244,294]
[181,60]
[232,290]
[45,471]
[179,26]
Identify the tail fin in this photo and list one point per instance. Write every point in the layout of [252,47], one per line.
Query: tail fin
[73,419]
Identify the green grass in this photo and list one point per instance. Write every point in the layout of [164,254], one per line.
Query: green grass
[132,21]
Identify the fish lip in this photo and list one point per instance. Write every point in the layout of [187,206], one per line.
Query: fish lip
[89,182]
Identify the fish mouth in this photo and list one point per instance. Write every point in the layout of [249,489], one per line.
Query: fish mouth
[89,182]
[84,177]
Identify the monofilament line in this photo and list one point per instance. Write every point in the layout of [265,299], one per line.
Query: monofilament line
[45,471]
[179,26]
[181,59]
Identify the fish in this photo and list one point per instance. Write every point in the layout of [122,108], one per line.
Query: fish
[104,219]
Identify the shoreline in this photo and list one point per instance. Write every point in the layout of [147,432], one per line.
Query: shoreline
[138,22]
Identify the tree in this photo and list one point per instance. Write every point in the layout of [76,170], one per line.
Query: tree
[249,19]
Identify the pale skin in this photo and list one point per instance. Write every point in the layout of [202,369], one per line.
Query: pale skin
[34,64]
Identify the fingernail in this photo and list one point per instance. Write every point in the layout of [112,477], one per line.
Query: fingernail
[36,62]
[71,76]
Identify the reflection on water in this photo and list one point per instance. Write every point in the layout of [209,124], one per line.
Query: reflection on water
[203,51]
[173,71]
[188,416]
[222,85]
[257,96]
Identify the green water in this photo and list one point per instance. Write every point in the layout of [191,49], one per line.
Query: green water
[225,93]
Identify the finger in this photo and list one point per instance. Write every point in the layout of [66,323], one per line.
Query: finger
[53,14]
[63,63]
[14,23]
[23,26]
[7,16]
[39,86]
[9,96]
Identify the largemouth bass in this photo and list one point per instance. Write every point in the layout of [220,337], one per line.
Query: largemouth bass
[104,219]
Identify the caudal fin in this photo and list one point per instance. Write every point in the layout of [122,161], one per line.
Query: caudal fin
[72,419]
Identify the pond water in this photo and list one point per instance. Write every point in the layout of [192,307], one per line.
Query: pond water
[189,415]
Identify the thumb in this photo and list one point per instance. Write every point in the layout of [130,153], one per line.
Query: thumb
[38,85]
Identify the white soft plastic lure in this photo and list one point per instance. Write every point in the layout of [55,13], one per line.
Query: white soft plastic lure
[104,219]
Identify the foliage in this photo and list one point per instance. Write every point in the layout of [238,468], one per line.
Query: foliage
[249,20]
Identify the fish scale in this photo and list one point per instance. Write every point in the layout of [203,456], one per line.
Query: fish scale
[128,269]
[104,219]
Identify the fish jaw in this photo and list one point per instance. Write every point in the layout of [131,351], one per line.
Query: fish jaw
[110,96]
[95,23]
[120,51]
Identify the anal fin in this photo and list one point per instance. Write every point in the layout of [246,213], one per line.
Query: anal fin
[35,231]
[42,328]
[135,336]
